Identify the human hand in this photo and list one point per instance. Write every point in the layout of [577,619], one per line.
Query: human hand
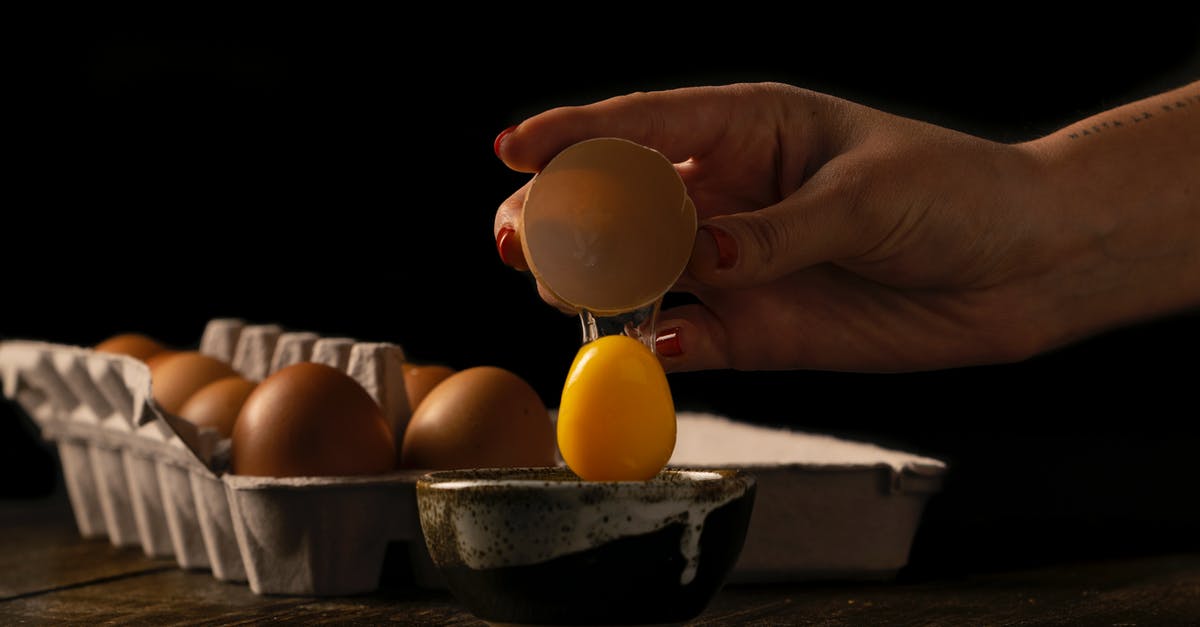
[836,236]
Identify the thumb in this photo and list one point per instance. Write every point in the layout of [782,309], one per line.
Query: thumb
[814,225]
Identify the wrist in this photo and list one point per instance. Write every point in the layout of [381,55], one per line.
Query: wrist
[1123,218]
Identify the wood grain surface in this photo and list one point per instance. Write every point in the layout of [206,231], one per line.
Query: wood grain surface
[48,574]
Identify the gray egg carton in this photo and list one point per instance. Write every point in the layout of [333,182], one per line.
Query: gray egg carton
[145,478]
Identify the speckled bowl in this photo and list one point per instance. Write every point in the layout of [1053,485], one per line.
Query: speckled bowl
[542,546]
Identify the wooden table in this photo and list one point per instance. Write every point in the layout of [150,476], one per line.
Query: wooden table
[48,574]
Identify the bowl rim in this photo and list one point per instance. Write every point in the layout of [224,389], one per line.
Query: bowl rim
[564,480]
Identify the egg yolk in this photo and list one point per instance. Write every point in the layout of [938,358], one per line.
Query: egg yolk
[616,421]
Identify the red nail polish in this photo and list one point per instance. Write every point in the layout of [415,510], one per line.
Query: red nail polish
[500,138]
[509,248]
[727,249]
[667,343]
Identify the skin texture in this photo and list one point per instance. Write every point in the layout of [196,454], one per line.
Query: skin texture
[866,241]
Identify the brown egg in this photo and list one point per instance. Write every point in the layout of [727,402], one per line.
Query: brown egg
[135,345]
[419,380]
[480,418]
[160,357]
[310,420]
[176,378]
[217,404]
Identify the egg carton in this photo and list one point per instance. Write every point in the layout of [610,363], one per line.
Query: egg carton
[143,477]
[826,508]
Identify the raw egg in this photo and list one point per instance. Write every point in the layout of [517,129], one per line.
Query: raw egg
[176,378]
[217,404]
[419,380]
[135,345]
[616,421]
[310,420]
[482,417]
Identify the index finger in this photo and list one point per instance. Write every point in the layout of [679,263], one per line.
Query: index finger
[680,123]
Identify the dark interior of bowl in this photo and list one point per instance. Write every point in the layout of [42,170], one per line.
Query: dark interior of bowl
[629,580]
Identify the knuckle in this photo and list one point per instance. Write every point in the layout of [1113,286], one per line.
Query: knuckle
[634,100]
[852,193]
[850,183]
[772,88]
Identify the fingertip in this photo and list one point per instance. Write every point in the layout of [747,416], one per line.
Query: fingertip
[667,342]
[508,245]
[498,143]
[530,145]
[512,146]
[675,345]
[714,252]
[689,338]
[725,244]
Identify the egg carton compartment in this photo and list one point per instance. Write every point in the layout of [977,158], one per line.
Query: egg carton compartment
[114,481]
[144,478]
[216,525]
[328,534]
[180,513]
[82,492]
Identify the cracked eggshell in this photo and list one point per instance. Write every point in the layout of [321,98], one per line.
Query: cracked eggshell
[608,226]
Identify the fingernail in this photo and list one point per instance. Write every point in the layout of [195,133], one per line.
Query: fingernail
[727,249]
[509,247]
[500,139]
[667,343]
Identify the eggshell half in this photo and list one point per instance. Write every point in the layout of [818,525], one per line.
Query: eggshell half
[608,226]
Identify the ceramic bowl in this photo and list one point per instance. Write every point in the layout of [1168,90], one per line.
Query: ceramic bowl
[542,546]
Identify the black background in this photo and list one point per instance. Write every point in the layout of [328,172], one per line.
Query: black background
[339,177]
